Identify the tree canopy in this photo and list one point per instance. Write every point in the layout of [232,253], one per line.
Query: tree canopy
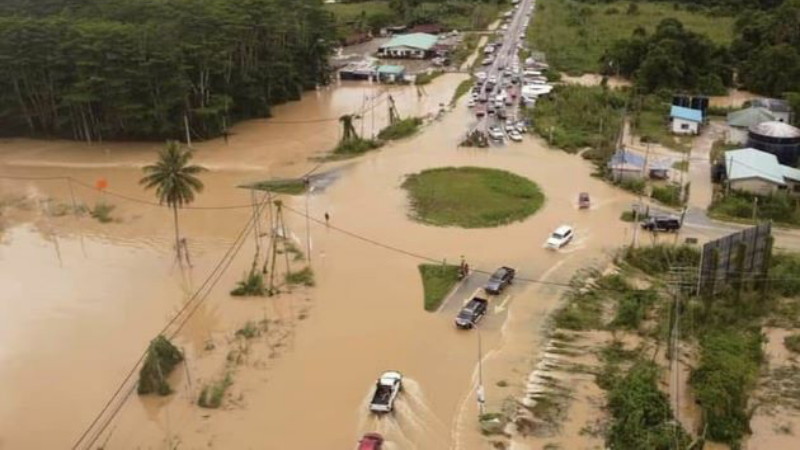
[671,58]
[113,69]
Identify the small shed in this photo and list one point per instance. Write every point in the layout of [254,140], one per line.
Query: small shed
[414,45]
[391,73]
[739,122]
[626,165]
[685,120]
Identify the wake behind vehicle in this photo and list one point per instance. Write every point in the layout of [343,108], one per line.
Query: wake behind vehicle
[560,237]
[371,441]
[472,313]
[386,389]
[499,280]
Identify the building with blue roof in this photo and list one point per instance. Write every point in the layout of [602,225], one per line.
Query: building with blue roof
[685,120]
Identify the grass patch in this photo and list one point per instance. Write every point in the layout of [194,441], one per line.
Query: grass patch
[627,216]
[426,77]
[102,212]
[212,394]
[669,194]
[162,357]
[574,35]
[465,49]
[289,187]
[656,260]
[727,372]
[356,146]
[462,89]
[585,303]
[400,129]
[779,208]
[575,117]
[783,271]
[683,166]
[303,277]
[437,281]
[251,285]
[471,197]
[635,185]
[651,123]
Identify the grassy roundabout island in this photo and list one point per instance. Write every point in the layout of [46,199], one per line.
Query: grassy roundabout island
[471,197]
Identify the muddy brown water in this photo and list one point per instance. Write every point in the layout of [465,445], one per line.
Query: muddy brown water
[82,299]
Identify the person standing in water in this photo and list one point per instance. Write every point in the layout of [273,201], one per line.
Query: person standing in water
[327,218]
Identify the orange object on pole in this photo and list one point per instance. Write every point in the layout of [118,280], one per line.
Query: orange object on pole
[101,184]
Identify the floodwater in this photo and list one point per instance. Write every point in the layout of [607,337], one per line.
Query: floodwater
[81,299]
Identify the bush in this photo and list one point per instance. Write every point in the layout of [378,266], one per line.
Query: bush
[632,307]
[356,146]
[400,129]
[783,271]
[248,331]
[635,185]
[792,343]
[102,212]
[212,394]
[727,372]
[304,277]
[252,285]
[657,259]
[778,207]
[161,358]
[669,195]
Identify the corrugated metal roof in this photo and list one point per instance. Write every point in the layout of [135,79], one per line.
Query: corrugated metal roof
[680,112]
[748,117]
[422,41]
[775,129]
[772,104]
[790,173]
[391,70]
[751,163]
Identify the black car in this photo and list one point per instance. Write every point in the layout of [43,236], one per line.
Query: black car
[501,278]
[472,313]
[662,224]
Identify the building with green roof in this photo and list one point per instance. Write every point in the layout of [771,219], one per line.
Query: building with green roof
[757,172]
[413,45]
[740,121]
[391,73]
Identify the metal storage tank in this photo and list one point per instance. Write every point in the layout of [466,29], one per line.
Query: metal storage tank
[778,138]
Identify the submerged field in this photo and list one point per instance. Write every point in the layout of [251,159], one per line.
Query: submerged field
[574,35]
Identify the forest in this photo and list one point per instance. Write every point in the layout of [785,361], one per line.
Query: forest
[151,69]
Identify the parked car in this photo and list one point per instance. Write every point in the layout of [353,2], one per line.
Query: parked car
[470,102]
[560,237]
[472,313]
[583,200]
[386,389]
[499,280]
[496,133]
[509,125]
[371,441]
[521,127]
[662,223]
[515,136]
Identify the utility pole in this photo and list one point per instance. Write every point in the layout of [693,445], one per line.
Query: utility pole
[186,128]
[307,182]
[755,209]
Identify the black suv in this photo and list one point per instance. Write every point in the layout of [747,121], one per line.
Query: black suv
[501,278]
[472,313]
[662,224]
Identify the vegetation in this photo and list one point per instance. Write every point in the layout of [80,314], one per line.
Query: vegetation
[642,417]
[718,149]
[426,77]
[356,146]
[175,181]
[141,69]
[401,129]
[212,394]
[783,270]
[252,285]
[583,309]
[249,331]
[683,166]
[437,281]
[162,356]
[467,46]
[471,197]
[656,260]
[673,57]
[669,194]
[462,89]
[727,372]
[304,277]
[102,212]
[738,205]
[635,185]
[575,35]
[792,343]
[575,117]
[288,186]
[650,121]
[632,306]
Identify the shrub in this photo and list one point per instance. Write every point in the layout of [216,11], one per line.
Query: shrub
[783,270]
[249,330]
[792,343]
[252,285]
[657,259]
[632,307]
[356,146]
[400,129]
[635,185]
[668,195]
[212,394]
[304,277]
[102,212]
[161,358]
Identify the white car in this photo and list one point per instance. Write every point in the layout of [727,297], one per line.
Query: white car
[509,125]
[514,135]
[492,79]
[387,387]
[480,75]
[560,237]
[496,133]
[470,102]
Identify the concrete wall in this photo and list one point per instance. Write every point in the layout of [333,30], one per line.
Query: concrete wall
[754,186]
[680,126]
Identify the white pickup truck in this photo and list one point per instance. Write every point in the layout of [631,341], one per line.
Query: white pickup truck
[386,389]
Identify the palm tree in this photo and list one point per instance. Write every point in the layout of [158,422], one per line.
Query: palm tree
[174,180]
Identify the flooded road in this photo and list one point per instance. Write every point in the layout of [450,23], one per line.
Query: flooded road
[95,313]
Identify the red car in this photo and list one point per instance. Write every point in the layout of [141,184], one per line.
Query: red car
[371,441]
[583,200]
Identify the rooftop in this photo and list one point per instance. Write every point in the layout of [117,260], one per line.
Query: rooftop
[751,163]
[746,118]
[775,129]
[772,104]
[391,70]
[422,41]
[680,112]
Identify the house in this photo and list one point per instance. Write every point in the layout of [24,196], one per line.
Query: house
[414,45]
[628,165]
[779,108]
[760,173]
[741,121]
[685,120]
[392,30]
[429,28]
[391,73]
